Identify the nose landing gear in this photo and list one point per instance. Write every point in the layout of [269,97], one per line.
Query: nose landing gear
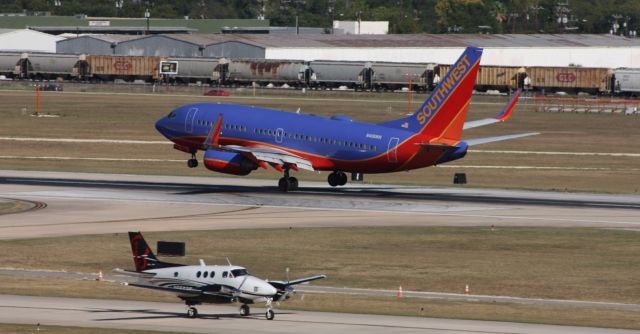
[269,314]
[193,162]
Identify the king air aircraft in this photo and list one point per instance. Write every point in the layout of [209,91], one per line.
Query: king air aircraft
[218,284]
[239,139]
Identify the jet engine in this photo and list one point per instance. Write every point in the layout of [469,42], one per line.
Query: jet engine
[228,162]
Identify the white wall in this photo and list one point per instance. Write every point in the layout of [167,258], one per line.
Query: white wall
[612,57]
[28,40]
[363,28]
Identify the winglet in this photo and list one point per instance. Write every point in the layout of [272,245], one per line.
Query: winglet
[214,134]
[508,109]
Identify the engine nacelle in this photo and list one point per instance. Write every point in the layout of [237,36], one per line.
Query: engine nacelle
[228,162]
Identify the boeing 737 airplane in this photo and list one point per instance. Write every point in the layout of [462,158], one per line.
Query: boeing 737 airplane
[237,139]
[206,284]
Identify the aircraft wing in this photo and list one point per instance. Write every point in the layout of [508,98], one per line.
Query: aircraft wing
[480,141]
[283,284]
[501,117]
[260,153]
[272,155]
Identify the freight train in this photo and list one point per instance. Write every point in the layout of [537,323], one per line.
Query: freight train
[317,74]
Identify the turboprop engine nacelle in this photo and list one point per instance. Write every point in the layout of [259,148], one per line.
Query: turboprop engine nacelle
[228,162]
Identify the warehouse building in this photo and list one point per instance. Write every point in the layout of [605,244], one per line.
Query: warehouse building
[26,40]
[500,50]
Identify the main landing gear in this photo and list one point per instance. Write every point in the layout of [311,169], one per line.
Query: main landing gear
[287,183]
[337,178]
[193,162]
[245,310]
[192,312]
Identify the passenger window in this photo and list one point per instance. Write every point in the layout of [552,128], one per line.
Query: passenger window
[175,274]
[225,274]
[205,274]
[198,274]
[213,274]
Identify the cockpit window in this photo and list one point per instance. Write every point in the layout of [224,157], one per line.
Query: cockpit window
[239,272]
[171,115]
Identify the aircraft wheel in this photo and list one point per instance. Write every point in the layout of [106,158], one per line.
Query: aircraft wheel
[342,178]
[245,310]
[270,315]
[192,163]
[192,312]
[293,183]
[284,184]
[333,179]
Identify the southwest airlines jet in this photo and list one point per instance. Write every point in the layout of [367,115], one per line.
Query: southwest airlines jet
[238,139]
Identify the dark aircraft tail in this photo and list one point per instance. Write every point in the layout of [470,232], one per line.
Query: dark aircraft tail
[143,257]
[441,117]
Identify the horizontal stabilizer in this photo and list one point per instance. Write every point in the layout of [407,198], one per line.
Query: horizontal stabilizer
[480,141]
[501,117]
[182,291]
[139,274]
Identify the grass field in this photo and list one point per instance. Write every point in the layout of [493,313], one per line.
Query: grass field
[109,116]
[582,264]
[34,328]
[13,206]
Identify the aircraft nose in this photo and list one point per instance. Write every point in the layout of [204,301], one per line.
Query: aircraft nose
[269,289]
[161,124]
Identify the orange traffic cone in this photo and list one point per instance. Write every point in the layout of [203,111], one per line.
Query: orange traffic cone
[400,293]
[100,277]
[466,289]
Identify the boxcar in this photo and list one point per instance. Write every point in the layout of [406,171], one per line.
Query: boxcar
[573,79]
[128,68]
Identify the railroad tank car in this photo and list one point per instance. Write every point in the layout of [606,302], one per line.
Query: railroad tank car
[48,66]
[8,63]
[574,79]
[263,72]
[627,81]
[333,74]
[205,70]
[502,78]
[128,68]
[392,76]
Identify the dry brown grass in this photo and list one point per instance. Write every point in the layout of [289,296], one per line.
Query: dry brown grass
[583,264]
[43,328]
[578,316]
[132,117]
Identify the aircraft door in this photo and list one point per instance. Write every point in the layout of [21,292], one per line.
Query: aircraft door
[392,153]
[188,121]
[279,135]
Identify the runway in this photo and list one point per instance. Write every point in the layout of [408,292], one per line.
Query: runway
[224,319]
[79,203]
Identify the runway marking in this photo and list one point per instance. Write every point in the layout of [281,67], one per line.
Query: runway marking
[89,159]
[93,141]
[15,157]
[236,97]
[596,154]
[166,142]
[541,168]
[495,217]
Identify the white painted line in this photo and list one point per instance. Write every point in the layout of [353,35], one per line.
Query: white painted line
[247,97]
[78,140]
[607,154]
[541,168]
[15,157]
[89,159]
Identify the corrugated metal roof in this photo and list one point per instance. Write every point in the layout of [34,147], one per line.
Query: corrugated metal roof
[419,40]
